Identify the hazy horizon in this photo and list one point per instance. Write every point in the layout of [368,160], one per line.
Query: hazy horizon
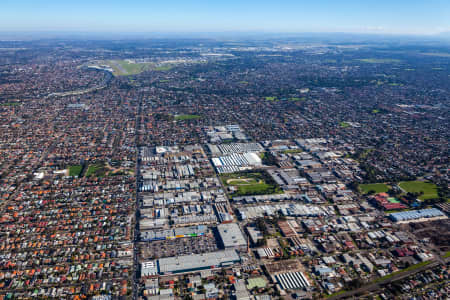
[318,37]
[136,16]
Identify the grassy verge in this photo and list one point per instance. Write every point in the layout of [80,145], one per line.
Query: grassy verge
[397,210]
[336,294]
[410,268]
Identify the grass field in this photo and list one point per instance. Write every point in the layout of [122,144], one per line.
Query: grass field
[292,151]
[336,293]
[429,189]
[297,99]
[254,189]
[344,125]
[377,187]
[187,117]
[259,282]
[271,98]
[250,183]
[379,60]
[95,170]
[246,181]
[75,171]
[163,68]
[125,68]
[10,104]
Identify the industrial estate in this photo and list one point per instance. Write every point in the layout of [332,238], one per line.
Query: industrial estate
[224,169]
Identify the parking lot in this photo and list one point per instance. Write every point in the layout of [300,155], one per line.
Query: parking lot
[179,246]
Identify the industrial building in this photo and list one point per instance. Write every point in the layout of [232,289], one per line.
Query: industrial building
[149,268]
[417,215]
[231,236]
[235,148]
[196,262]
[292,280]
[255,235]
[236,162]
[287,209]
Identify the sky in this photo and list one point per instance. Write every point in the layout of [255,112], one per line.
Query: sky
[424,17]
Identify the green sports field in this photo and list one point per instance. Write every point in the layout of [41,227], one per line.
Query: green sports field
[97,170]
[271,98]
[429,189]
[377,187]
[187,117]
[75,171]
[250,183]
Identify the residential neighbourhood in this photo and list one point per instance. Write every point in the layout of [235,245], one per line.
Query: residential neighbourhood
[207,169]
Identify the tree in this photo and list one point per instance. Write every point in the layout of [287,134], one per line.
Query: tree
[353,185]
[269,159]
[354,284]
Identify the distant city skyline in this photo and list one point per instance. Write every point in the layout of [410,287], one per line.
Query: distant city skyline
[383,17]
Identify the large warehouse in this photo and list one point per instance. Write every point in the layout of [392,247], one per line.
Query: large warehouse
[417,215]
[231,236]
[196,262]
[292,280]
[236,162]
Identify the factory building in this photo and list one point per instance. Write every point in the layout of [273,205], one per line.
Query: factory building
[197,262]
[236,162]
[417,215]
[292,280]
[231,236]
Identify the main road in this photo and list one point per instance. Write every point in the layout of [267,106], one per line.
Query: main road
[136,214]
